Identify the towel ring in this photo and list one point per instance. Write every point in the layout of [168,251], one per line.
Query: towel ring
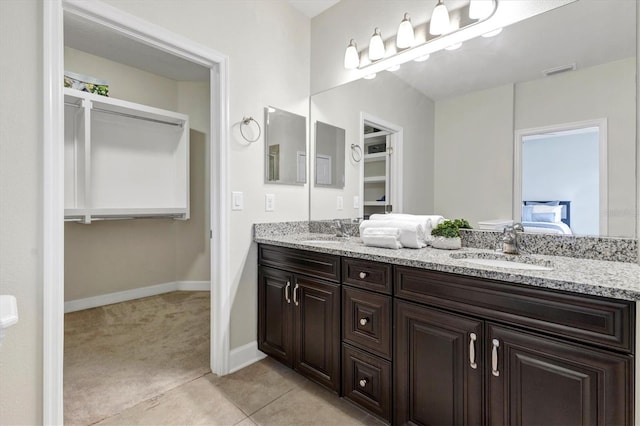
[247,121]
[356,152]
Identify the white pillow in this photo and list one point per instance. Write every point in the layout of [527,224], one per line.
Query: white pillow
[555,210]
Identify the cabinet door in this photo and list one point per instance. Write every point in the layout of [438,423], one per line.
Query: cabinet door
[534,380]
[438,367]
[317,330]
[275,314]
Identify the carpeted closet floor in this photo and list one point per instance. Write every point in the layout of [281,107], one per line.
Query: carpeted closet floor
[119,355]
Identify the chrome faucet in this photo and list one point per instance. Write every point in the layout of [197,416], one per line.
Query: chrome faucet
[341,228]
[510,238]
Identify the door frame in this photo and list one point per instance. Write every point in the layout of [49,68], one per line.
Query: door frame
[53,181]
[601,124]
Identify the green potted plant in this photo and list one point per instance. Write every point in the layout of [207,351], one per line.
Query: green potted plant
[447,234]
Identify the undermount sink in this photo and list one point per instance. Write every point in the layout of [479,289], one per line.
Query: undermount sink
[504,261]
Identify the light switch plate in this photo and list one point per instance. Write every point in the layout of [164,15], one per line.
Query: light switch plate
[237,201]
[340,202]
[356,202]
[269,202]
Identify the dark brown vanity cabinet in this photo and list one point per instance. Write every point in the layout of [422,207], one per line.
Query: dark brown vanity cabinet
[299,313]
[471,356]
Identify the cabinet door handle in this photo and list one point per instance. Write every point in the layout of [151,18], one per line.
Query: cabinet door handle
[364,321]
[287,289]
[494,357]
[295,294]
[472,350]
[363,383]
[363,275]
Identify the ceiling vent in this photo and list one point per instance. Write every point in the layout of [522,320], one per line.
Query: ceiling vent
[558,70]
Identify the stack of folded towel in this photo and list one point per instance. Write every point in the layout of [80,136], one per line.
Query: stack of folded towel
[398,230]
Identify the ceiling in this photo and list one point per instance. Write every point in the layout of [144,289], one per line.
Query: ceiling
[586,32]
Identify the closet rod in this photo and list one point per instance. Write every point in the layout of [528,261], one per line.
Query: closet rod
[124,114]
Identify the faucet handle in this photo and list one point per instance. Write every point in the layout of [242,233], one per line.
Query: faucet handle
[518,227]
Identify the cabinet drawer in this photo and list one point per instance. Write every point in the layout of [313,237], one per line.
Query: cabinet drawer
[589,319]
[367,320]
[366,380]
[320,265]
[366,274]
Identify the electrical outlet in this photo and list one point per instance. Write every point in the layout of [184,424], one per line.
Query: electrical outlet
[356,202]
[269,202]
[340,202]
[237,202]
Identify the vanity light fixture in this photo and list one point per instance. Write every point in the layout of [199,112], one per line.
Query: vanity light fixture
[439,23]
[441,32]
[370,76]
[376,46]
[405,37]
[492,33]
[395,67]
[351,56]
[480,9]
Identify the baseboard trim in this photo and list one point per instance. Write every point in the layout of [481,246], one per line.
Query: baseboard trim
[136,293]
[244,355]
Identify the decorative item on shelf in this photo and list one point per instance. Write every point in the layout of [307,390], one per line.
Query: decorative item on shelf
[447,234]
[412,45]
[85,83]
[246,121]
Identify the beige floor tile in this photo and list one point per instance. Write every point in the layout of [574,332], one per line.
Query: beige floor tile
[199,402]
[311,404]
[259,384]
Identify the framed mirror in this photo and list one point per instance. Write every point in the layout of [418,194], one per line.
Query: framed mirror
[573,64]
[285,147]
[329,156]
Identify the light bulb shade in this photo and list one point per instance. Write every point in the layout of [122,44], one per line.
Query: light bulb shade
[376,46]
[405,36]
[351,57]
[439,23]
[480,9]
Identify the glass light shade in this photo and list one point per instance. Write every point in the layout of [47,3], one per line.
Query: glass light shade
[439,23]
[492,33]
[351,57]
[421,58]
[480,9]
[454,46]
[370,76]
[405,36]
[393,68]
[376,46]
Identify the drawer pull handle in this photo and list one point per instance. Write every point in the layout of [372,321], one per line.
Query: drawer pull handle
[287,289]
[363,275]
[363,383]
[364,321]
[295,294]
[472,351]
[494,357]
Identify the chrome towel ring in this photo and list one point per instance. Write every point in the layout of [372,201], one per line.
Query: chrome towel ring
[246,121]
[356,152]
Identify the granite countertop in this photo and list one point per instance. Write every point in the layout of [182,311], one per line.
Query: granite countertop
[618,280]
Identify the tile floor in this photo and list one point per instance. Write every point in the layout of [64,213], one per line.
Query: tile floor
[264,393]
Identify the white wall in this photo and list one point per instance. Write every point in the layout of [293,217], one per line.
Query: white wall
[390,99]
[20,207]
[267,44]
[474,155]
[609,95]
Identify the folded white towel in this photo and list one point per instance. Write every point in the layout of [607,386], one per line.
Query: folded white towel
[429,221]
[412,233]
[381,237]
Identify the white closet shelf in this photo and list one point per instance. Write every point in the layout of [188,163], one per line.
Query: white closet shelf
[124,160]
[375,203]
[378,156]
[375,179]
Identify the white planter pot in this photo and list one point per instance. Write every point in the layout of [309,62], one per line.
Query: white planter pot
[446,243]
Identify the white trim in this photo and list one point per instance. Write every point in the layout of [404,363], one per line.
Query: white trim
[601,124]
[244,355]
[53,182]
[136,293]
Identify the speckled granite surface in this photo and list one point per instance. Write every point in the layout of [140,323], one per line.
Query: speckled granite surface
[582,247]
[596,277]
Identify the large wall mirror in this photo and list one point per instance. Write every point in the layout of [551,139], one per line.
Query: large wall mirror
[464,113]
[285,147]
